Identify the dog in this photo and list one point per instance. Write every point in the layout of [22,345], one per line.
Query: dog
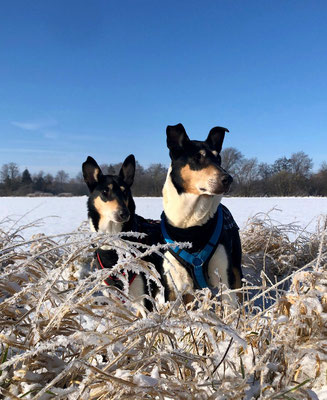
[192,193]
[111,210]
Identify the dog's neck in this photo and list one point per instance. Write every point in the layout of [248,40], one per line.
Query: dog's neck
[186,209]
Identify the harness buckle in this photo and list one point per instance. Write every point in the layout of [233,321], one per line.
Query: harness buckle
[197,262]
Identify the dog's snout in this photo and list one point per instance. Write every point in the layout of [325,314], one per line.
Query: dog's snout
[226,180]
[123,215]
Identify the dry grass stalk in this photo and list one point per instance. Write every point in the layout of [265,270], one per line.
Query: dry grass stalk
[60,338]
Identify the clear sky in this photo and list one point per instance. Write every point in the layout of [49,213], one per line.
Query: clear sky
[104,78]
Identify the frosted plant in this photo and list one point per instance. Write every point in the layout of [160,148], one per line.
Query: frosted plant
[62,338]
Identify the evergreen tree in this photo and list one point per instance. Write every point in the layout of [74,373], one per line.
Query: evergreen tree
[26,177]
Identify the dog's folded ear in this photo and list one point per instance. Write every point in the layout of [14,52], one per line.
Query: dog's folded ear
[176,137]
[127,170]
[216,137]
[91,173]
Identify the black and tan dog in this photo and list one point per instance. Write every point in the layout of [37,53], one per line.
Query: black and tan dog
[192,193]
[111,209]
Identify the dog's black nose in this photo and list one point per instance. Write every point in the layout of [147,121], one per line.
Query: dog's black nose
[123,215]
[226,180]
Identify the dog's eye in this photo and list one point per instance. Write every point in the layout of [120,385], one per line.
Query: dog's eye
[216,155]
[105,191]
[200,155]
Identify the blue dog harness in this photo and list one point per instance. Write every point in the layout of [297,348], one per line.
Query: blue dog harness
[196,261]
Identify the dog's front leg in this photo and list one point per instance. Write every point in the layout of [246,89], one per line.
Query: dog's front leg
[177,279]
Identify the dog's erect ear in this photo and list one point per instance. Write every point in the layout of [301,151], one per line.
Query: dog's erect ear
[127,170]
[91,173]
[216,137]
[176,137]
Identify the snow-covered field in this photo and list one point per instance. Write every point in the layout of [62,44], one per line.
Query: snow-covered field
[66,214]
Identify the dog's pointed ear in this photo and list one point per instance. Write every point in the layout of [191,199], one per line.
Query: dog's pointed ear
[127,171]
[91,172]
[176,137]
[216,137]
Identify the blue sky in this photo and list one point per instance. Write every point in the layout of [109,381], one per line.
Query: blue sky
[104,78]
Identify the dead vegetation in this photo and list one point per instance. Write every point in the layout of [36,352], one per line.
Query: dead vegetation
[62,338]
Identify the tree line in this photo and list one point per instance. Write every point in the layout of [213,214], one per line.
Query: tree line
[285,177]
[13,182]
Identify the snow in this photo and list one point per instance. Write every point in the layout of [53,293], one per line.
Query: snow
[144,380]
[63,215]
[322,394]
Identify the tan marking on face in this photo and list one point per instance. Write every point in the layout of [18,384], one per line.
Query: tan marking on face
[196,179]
[110,186]
[203,153]
[215,153]
[106,208]
[123,189]
[96,174]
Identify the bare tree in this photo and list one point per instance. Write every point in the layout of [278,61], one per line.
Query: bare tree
[4,173]
[61,177]
[265,171]
[246,177]
[323,167]
[231,159]
[105,168]
[48,179]
[157,174]
[13,171]
[79,178]
[9,172]
[320,180]
[301,164]
[249,170]
[282,164]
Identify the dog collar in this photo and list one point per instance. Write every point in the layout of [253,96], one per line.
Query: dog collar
[198,259]
[114,278]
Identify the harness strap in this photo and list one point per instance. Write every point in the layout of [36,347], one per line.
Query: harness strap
[196,261]
[114,278]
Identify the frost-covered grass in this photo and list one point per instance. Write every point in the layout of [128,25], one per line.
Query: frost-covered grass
[64,335]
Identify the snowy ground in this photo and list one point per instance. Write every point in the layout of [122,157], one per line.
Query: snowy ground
[66,214]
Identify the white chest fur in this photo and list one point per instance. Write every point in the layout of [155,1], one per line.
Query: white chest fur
[179,278]
[105,226]
[136,288]
[184,211]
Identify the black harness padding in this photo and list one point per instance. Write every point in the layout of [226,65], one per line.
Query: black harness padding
[149,226]
[200,235]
